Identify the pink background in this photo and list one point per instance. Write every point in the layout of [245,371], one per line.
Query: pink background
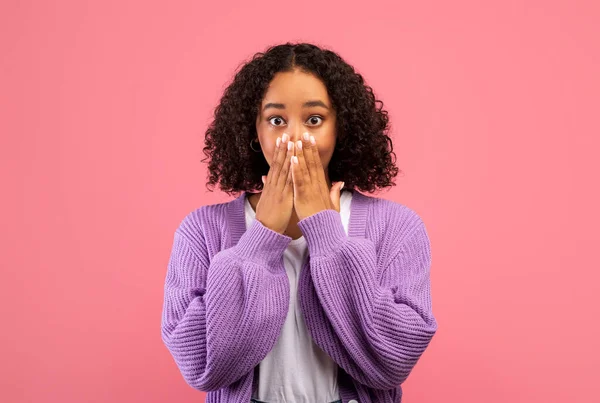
[494,109]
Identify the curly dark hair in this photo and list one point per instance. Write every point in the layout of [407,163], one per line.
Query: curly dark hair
[363,156]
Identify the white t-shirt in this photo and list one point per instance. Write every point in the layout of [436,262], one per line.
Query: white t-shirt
[296,369]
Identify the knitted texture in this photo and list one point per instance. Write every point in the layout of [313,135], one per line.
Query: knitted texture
[365,297]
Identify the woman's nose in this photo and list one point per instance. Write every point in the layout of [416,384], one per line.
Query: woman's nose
[297,133]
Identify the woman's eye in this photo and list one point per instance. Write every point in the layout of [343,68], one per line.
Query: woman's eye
[315,117]
[278,119]
[273,118]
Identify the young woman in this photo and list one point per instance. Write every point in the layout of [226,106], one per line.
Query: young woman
[306,290]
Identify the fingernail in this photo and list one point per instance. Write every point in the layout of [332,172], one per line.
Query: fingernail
[277,142]
[312,140]
[290,145]
[341,187]
[306,136]
[299,145]
[285,137]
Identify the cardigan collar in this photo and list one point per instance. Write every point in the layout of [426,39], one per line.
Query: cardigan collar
[359,213]
[359,210]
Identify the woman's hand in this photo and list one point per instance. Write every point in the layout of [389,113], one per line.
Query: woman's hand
[311,191]
[274,207]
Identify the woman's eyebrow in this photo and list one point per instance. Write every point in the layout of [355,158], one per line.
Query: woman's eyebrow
[307,104]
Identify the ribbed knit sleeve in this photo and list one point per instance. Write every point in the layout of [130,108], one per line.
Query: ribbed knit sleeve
[379,324]
[221,316]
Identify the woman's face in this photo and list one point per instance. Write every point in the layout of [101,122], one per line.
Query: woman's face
[283,110]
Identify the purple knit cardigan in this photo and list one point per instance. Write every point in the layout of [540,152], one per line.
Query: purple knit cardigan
[365,297]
